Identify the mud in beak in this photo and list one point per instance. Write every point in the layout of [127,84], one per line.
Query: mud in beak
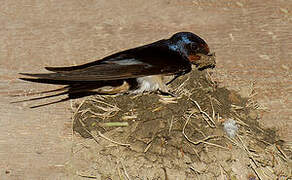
[206,61]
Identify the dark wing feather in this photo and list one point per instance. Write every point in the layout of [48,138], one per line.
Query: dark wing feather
[147,60]
[114,57]
[71,68]
[94,73]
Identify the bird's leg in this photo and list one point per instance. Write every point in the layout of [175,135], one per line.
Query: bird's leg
[163,89]
[110,90]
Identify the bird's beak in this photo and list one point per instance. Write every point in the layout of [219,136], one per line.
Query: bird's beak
[205,61]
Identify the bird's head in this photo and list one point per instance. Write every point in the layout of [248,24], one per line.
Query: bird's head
[194,48]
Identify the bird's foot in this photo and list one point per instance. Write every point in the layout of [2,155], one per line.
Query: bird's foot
[167,93]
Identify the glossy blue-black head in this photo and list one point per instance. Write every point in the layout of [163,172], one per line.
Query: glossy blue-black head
[191,46]
[192,43]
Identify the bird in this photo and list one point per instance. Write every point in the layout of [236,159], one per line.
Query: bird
[147,68]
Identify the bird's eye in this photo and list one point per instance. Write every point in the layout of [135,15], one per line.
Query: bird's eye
[194,46]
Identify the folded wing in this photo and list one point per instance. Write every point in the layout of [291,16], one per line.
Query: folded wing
[138,62]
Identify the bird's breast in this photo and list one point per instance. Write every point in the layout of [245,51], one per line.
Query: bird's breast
[151,83]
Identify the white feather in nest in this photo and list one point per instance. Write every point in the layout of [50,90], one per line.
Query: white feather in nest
[230,127]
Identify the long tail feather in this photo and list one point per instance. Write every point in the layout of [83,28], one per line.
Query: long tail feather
[37,75]
[42,97]
[40,92]
[49,81]
[50,103]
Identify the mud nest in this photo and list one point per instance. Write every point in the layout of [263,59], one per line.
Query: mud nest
[206,131]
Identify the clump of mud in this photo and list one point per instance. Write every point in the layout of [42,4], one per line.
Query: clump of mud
[161,137]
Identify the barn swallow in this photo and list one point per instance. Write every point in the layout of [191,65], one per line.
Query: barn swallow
[146,68]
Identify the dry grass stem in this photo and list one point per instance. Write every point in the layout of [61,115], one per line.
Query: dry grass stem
[78,109]
[240,122]
[244,147]
[181,86]
[195,170]
[200,141]
[208,118]
[86,176]
[91,134]
[125,118]
[170,125]
[216,145]
[119,172]
[195,151]
[217,101]
[210,77]
[114,124]
[254,168]
[213,111]
[101,135]
[112,141]
[232,141]
[158,108]
[221,172]
[109,111]
[168,99]
[235,107]
[148,146]
[125,171]
[283,155]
